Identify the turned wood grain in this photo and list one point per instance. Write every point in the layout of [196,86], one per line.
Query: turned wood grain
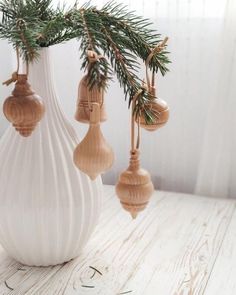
[177,246]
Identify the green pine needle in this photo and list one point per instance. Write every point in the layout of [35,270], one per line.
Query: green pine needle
[114,32]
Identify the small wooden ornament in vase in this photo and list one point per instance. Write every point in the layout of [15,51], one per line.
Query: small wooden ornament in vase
[24,109]
[93,155]
[87,95]
[134,187]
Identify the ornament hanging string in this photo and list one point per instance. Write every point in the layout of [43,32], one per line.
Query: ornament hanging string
[15,74]
[21,23]
[93,57]
[158,48]
[17,60]
[133,147]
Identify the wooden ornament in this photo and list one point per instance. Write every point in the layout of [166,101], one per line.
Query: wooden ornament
[86,96]
[161,111]
[158,106]
[93,155]
[134,187]
[24,109]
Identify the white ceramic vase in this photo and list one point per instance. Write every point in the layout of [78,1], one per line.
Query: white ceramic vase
[48,208]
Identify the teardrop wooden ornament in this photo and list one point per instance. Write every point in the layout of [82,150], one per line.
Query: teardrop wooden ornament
[86,96]
[93,155]
[24,109]
[134,187]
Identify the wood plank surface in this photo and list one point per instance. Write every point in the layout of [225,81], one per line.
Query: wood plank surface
[170,249]
[223,277]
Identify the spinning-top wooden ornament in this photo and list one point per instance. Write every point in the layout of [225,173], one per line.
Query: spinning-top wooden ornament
[134,187]
[24,109]
[93,155]
[87,95]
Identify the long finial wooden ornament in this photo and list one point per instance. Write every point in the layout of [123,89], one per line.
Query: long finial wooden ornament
[158,106]
[93,155]
[24,109]
[134,187]
[87,95]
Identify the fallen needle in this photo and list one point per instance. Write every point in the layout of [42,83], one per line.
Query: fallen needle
[96,270]
[8,286]
[21,269]
[85,286]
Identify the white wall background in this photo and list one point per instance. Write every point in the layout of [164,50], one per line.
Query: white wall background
[194,153]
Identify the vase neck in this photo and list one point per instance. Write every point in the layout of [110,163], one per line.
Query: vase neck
[41,76]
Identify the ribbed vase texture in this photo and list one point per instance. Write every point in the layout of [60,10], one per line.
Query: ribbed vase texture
[48,208]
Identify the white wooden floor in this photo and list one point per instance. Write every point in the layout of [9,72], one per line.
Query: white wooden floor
[181,245]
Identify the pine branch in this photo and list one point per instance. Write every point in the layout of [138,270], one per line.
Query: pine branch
[99,72]
[56,31]
[20,27]
[123,62]
[112,31]
[135,33]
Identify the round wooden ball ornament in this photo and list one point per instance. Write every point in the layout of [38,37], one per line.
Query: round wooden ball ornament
[24,109]
[93,155]
[134,187]
[86,96]
[158,106]
[161,112]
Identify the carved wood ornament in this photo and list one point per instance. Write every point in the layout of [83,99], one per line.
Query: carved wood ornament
[93,155]
[158,106]
[88,95]
[24,109]
[134,187]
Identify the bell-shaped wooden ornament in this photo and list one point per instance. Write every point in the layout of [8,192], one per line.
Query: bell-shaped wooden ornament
[24,109]
[86,96]
[93,155]
[134,187]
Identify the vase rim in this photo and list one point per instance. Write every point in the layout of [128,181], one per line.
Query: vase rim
[44,48]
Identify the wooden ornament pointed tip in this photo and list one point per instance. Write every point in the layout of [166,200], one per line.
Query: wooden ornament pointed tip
[134,214]
[93,176]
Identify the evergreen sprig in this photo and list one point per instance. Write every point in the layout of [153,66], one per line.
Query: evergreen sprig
[113,32]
